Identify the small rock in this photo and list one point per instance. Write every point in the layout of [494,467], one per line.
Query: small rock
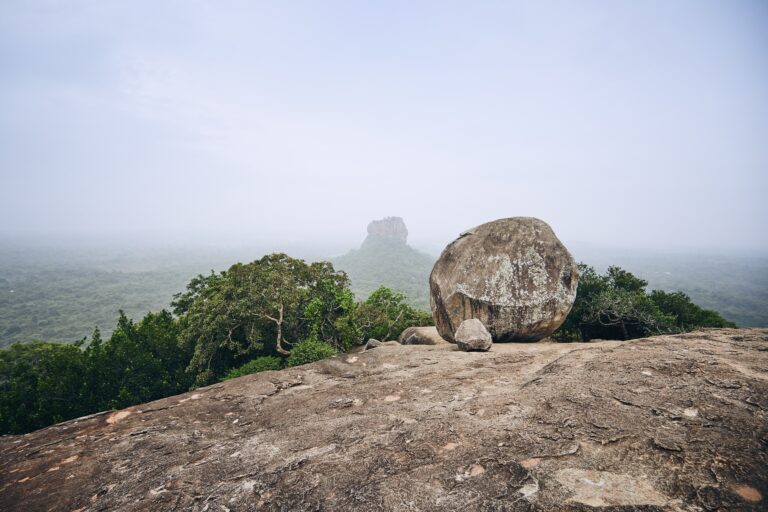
[472,335]
[372,343]
[666,443]
[341,403]
[420,336]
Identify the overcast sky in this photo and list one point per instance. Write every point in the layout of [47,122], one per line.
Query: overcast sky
[629,124]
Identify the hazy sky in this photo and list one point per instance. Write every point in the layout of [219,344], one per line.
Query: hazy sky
[619,123]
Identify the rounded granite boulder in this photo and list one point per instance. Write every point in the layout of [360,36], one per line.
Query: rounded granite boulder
[513,275]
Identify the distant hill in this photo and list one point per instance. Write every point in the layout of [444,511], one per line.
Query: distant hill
[386,259]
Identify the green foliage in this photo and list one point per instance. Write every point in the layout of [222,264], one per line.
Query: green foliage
[259,364]
[616,306]
[323,314]
[385,314]
[688,316]
[257,309]
[139,363]
[309,351]
[44,383]
[40,384]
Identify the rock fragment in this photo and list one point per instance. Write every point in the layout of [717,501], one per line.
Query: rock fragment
[420,336]
[473,336]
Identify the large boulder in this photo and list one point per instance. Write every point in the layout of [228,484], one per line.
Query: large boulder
[420,336]
[513,275]
[473,336]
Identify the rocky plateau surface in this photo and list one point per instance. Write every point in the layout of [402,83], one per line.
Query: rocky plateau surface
[669,423]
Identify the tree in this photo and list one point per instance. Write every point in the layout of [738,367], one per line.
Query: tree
[687,315]
[385,314]
[40,383]
[259,308]
[140,362]
[612,306]
[619,313]
[616,305]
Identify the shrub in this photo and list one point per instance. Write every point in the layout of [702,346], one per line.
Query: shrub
[309,351]
[687,315]
[616,305]
[259,364]
[383,315]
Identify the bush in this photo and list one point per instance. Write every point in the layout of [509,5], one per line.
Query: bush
[382,316]
[255,309]
[309,351]
[615,305]
[687,315]
[260,364]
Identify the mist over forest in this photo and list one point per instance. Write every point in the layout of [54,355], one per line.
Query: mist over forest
[134,156]
[57,290]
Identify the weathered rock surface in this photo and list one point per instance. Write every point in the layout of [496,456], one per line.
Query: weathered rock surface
[473,336]
[671,423]
[513,275]
[420,336]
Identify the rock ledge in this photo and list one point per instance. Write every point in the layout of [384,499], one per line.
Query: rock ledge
[670,423]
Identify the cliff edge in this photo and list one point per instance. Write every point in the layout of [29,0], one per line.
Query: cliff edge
[669,423]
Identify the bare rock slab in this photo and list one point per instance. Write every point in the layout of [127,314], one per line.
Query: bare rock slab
[524,427]
[513,275]
[473,336]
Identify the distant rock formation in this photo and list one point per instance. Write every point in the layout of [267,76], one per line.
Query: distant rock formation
[665,424]
[513,275]
[387,230]
[386,259]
